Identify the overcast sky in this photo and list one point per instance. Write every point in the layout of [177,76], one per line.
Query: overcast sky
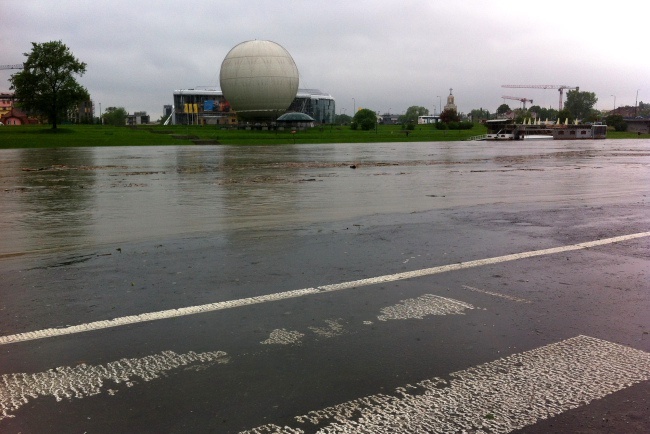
[376,54]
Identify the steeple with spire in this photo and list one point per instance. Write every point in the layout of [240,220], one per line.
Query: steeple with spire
[450,101]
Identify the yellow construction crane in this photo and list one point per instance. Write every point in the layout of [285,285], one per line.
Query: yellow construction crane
[559,87]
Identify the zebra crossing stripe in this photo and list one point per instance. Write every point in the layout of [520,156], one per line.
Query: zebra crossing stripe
[497,397]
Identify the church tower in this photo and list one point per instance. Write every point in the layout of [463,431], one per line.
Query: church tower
[450,102]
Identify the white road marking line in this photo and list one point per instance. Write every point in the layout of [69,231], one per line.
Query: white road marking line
[497,397]
[86,380]
[210,307]
[496,294]
[152,316]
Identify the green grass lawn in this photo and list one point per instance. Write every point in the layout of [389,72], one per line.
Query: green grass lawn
[42,136]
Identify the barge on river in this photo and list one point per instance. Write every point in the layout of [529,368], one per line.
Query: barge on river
[506,129]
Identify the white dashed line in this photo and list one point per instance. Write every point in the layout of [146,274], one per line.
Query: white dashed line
[497,397]
[211,307]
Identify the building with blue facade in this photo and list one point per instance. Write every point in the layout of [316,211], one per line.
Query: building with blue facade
[209,107]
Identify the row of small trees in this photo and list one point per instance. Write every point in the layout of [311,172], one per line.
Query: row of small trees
[578,105]
[367,119]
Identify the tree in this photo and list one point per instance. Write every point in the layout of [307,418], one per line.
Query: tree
[580,104]
[115,116]
[364,118]
[503,109]
[564,115]
[47,85]
[412,113]
[343,119]
[542,113]
[449,115]
[479,114]
[617,122]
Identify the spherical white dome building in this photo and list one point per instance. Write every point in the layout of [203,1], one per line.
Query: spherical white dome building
[259,79]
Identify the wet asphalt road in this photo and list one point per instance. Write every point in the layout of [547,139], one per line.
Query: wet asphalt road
[259,366]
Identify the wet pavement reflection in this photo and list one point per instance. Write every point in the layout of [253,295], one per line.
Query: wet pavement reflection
[81,197]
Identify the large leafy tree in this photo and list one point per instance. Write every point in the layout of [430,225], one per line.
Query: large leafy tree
[365,118]
[503,109]
[115,116]
[47,84]
[580,104]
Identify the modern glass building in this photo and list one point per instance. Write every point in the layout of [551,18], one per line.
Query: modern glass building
[319,105]
[209,107]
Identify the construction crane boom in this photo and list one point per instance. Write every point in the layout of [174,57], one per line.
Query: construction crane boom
[559,87]
[16,66]
[523,100]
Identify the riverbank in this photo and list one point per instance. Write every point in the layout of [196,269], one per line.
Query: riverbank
[41,136]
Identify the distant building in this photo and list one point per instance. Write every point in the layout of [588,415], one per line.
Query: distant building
[428,119]
[82,113]
[451,105]
[16,117]
[201,107]
[640,126]
[6,102]
[389,119]
[625,111]
[137,118]
[319,105]
[209,107]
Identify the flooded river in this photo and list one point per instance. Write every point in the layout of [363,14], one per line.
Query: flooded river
[85,197]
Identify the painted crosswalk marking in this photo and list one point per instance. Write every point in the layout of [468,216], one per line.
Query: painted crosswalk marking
[211,307]
[497,397]
[67,382]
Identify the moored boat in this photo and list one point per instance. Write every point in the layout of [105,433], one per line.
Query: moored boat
[579,131]
[507,129]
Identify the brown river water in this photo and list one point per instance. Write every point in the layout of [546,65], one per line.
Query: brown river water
[69,198]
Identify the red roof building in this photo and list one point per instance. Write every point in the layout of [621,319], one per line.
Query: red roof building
[16,117]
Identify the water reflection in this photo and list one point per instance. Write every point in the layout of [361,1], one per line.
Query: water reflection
[93,196]
[57,200]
